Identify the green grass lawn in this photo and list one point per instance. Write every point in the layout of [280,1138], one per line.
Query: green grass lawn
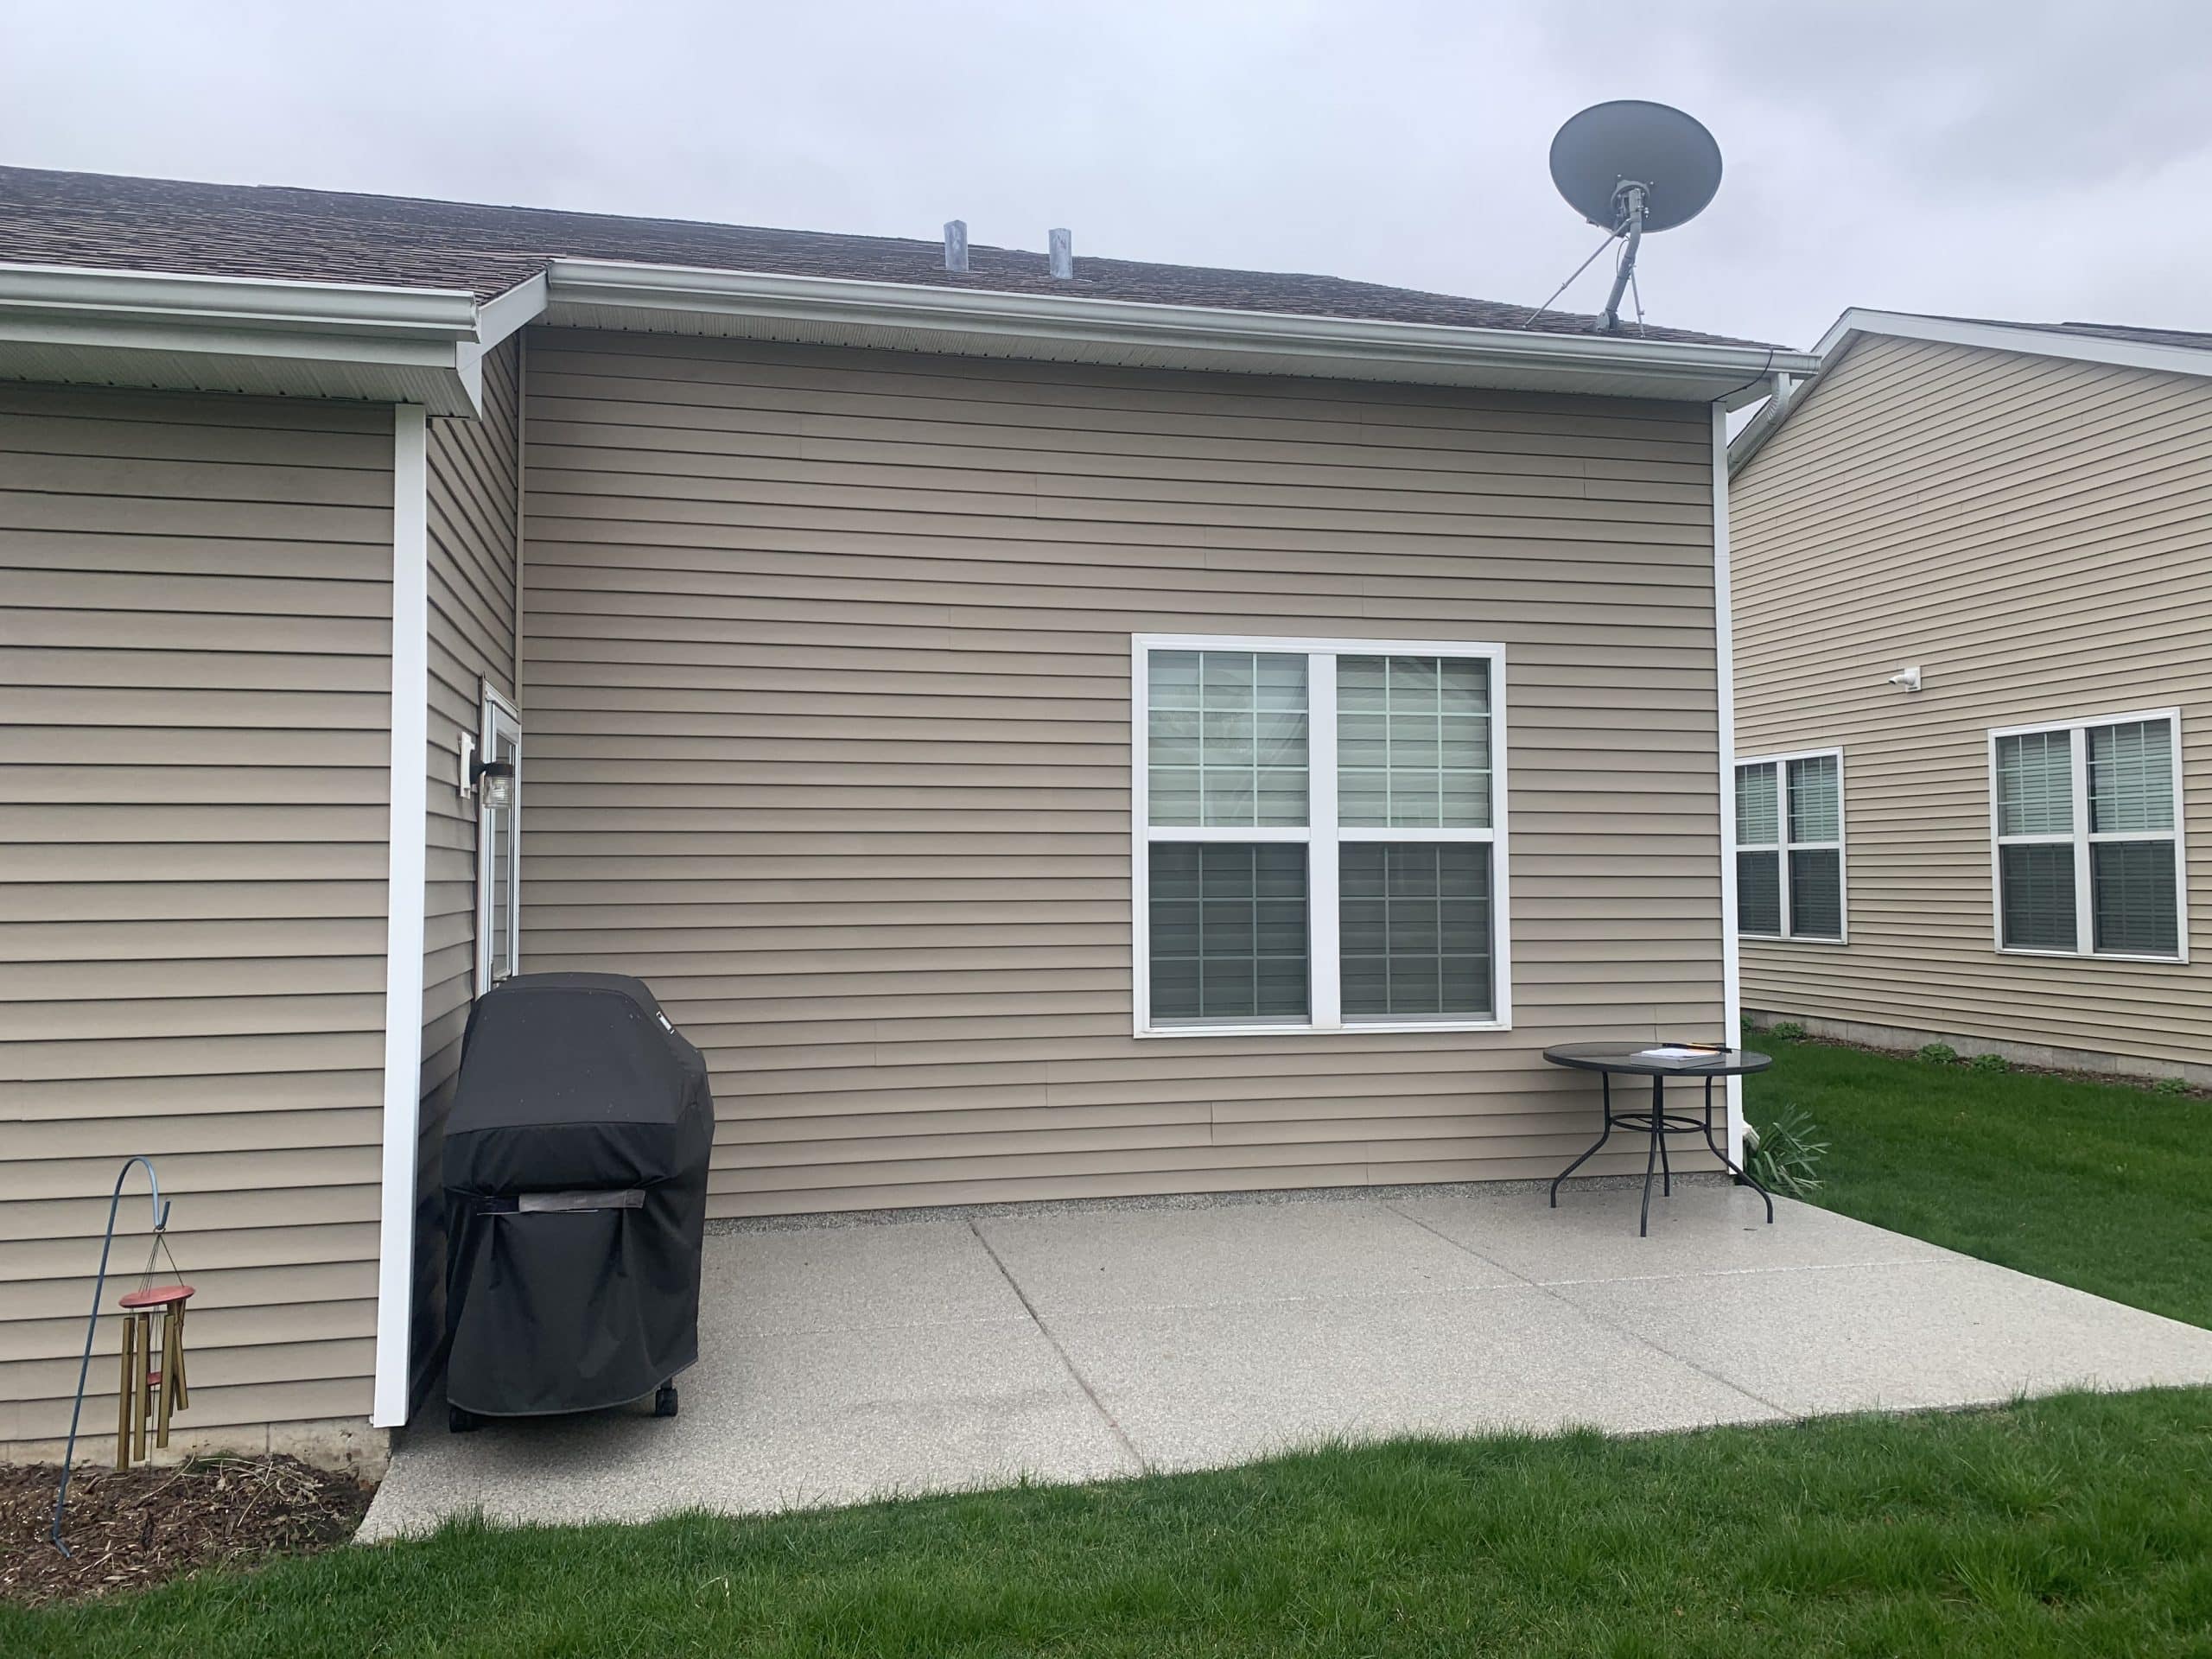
[2104,1186]
[2081,1525]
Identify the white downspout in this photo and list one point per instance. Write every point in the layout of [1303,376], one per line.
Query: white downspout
[403,904]
[1724,667]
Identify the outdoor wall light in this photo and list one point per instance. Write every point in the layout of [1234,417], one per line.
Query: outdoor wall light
[495,782]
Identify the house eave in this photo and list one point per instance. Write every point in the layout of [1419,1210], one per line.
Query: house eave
[1858,321]
[1074,328]
[167,331]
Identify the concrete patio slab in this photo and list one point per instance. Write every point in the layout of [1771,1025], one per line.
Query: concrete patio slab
[1948,1331]
[776,1417]
[1224,1254]
[858,1278]
[867,1356]
[1201,1387]
[1706,1227]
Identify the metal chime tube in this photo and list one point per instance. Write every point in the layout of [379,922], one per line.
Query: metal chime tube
[127,1396]
[143,1377]
[169,1374]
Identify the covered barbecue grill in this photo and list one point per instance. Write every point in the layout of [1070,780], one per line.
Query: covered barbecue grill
[576,1183]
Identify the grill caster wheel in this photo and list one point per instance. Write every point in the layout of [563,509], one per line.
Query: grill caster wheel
[462,1422]
[665,1400]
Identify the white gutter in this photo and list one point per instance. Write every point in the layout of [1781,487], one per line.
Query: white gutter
[1076,327]
[160,329]
[61,295]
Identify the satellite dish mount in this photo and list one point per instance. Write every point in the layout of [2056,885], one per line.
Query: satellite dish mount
[1630,197]
[1632,167]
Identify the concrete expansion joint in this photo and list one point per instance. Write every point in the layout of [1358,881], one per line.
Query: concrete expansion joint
[1143,1464]
[1637,1336]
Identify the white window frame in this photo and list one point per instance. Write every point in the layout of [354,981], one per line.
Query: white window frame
[1321,833]
[1783,846]
[2082,837]
[497,714]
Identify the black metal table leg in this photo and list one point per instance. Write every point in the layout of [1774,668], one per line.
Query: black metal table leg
[1651,1160]
[1735,1169]
[1606,1083]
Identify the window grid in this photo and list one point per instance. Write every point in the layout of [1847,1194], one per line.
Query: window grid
[1323,836]
[2085,822]
[1789,834]
[1228,738]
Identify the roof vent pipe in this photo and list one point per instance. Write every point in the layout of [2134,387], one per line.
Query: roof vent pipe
[955,245]
[1063,253]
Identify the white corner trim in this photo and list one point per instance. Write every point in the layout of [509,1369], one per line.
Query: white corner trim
[1724,653]
[407,834]
[586,291]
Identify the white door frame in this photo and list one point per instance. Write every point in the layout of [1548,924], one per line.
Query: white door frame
[501,719]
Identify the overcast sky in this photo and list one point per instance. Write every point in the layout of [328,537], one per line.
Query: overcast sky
[2012,158]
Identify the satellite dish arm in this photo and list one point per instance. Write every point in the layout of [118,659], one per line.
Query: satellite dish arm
[1633,228]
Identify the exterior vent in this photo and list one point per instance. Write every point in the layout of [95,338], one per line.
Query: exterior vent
[955,245]
[1063,253]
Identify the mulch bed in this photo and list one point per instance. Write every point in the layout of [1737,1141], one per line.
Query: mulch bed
[137,1528]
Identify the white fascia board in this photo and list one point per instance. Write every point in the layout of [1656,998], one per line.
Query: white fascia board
[2027,338]
[496,318]
[1055,328]
[165,330]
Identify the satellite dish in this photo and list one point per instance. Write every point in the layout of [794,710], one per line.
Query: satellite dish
[1609,146]
[1631,167]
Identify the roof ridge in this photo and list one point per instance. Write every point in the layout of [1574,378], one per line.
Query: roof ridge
[101,221]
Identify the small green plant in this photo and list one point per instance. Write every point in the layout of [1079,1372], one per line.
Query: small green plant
[1785,1031]
[1785,1153]
[2170,1086]
[1990,1062]
[1938,1053]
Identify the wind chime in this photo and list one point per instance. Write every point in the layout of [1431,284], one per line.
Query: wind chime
[153,1365]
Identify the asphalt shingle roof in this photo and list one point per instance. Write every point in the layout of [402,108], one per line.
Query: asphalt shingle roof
[111,222]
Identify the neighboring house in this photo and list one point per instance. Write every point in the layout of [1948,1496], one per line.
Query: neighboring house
[813,586]
[1999,858]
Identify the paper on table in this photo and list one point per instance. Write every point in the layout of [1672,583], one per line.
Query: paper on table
[1676,1051]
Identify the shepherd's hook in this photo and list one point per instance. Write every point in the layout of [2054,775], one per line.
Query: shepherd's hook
[92,1324]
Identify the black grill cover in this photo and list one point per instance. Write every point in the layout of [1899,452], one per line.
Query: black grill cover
[574,1084]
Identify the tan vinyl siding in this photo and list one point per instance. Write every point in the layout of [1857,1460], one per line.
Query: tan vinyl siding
[473,478]
[827,678]
[2036,535]
[195,751]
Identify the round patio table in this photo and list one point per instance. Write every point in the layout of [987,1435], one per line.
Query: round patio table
[1609,1060]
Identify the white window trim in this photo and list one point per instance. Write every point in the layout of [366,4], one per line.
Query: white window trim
[2082,837]
[1783,846]
[1321,898]
[496,708]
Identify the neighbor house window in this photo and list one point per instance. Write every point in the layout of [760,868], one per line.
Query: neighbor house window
[1320,835]
[1789,847]
[2087,822]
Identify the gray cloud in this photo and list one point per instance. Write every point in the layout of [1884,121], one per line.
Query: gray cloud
[2031,160]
